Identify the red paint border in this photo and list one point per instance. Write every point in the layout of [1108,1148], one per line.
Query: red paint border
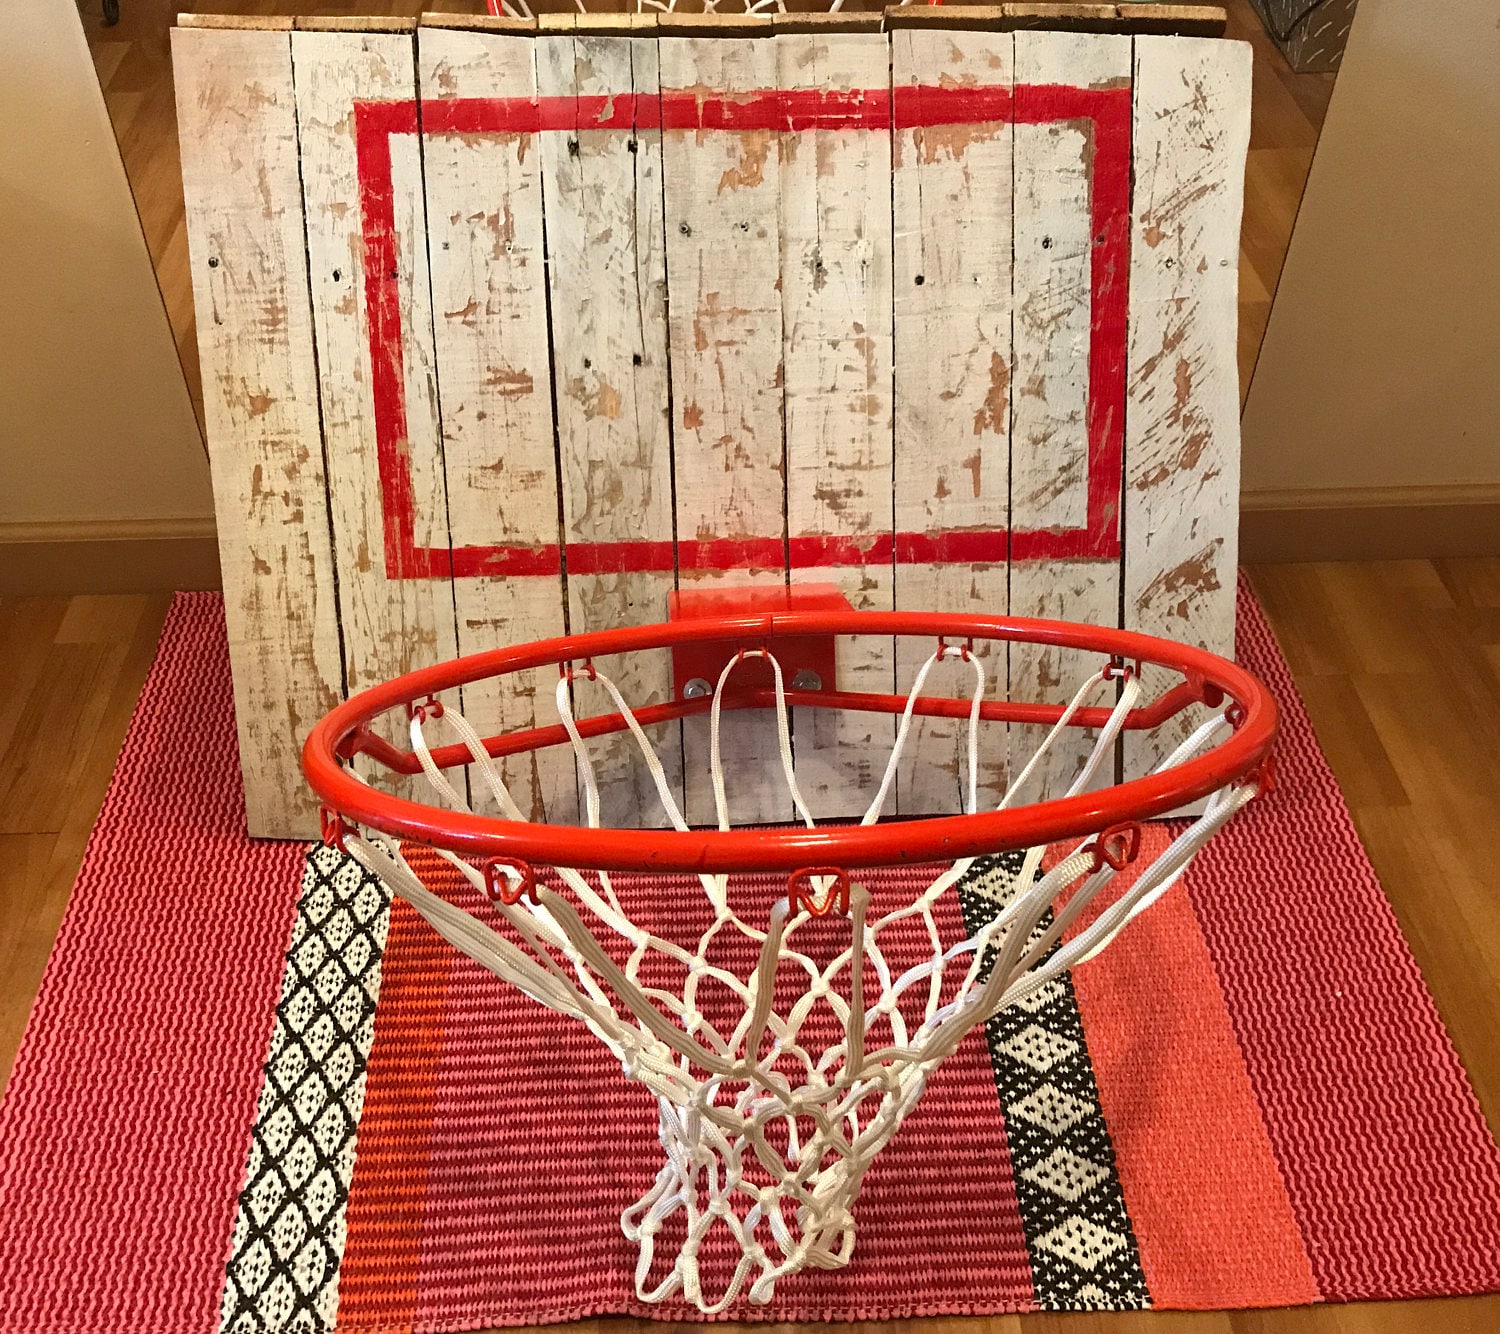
[1107,110]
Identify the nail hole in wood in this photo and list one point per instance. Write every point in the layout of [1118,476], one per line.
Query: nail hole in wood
[920,280]
[213,261]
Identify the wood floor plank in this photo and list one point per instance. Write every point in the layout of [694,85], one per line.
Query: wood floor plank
[29,915]
[28,627]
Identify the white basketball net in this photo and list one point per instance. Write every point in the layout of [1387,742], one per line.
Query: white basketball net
[767,1129]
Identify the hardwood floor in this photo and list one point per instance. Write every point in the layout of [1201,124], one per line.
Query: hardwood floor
[1399,664]
[135,71]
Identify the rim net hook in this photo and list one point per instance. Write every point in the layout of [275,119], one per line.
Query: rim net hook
[508,882]
[1117,847]
[801,890]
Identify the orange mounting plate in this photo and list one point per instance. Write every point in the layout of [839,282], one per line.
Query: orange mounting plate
[808,662]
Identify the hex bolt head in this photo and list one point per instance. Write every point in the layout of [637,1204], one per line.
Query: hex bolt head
[697,688]
[807,679]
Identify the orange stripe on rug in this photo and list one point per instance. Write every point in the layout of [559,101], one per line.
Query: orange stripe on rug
[1211,1214]
[378,1277]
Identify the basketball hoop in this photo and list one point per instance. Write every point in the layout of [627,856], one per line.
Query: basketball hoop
[772,1107]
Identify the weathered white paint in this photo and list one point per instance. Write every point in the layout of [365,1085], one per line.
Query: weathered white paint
[607,267]
[1049,456]
[723,268]
[951,197]
[237,128]
[484,201]
[778,246]
[1192,131]
[390,625]
[837,317]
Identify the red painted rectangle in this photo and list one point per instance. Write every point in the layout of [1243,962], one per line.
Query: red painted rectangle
[786,111]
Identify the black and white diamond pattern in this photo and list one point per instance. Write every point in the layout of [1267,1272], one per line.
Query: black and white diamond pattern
[1082,1246]
[288,1238]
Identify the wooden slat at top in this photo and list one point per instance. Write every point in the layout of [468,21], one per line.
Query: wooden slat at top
[1179,20]
[843,21]
[341,23]
[715,25]
[597,25]
[480,23]
[249,22]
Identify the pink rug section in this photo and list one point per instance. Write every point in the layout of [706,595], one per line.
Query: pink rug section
[124,1132]
[124,1128]
[1383,1146]
[520,1223]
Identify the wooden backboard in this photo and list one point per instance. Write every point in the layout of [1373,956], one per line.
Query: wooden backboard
[509,328]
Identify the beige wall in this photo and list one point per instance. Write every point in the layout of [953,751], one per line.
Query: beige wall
[1381,366]
[97,434]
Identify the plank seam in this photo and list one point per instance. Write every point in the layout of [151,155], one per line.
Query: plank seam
[437,373]
[557,463]
[666,245]
[1010,443]
[333,550]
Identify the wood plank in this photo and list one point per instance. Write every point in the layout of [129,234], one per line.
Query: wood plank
[479,22]
[484,208]
[723,268]
[238,134]
[55,731]
[232,23]
[711,23]
[1179,20]
[1058,158]
[1192,130]
[31,907]
[28,628]
[951,200]
[367,254]
[837,319]
[607,267]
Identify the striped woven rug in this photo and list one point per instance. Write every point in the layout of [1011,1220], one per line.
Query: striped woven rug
[256,1095]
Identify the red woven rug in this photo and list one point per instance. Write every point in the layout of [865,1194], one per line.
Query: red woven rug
[1249,1100]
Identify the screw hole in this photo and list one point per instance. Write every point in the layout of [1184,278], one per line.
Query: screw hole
[920,279]
[213,261]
